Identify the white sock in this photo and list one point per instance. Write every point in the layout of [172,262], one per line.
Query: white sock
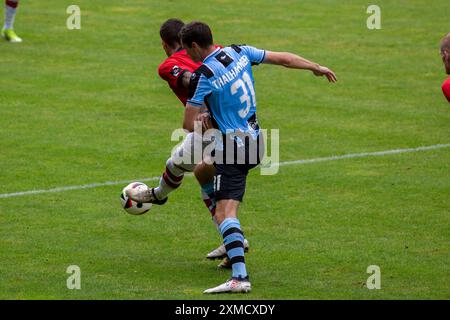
[10,13]
[170,180]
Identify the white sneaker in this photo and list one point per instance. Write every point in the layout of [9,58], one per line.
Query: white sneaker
[221,252]
[232,286]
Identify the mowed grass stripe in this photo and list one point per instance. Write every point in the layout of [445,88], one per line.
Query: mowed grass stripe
[286,163]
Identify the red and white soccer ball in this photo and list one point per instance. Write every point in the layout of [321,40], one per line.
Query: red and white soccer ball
[131,206]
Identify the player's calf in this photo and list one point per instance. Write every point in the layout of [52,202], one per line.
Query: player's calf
[170,180]
[8,28]
[204,173]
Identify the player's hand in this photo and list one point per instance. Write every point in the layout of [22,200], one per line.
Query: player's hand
[324,71]
[205,119]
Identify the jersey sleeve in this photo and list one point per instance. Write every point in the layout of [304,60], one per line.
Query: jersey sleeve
[255,55]
[199,89]
[171,73]
[446,89]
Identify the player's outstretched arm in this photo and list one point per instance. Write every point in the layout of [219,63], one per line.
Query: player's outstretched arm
[290,60]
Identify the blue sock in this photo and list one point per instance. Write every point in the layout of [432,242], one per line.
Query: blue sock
[233,238]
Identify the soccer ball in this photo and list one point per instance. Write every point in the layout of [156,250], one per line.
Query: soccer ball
[131,206]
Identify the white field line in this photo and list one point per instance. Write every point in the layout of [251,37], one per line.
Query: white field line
[61,189]
[286,163]
[365,154]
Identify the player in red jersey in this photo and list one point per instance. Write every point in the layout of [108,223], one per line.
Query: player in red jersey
[177,70]
[445,53]
[8,28]
[178,67]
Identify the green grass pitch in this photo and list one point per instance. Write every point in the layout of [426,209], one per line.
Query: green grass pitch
[86,106]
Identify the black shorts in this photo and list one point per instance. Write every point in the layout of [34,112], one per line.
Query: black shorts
[231,176]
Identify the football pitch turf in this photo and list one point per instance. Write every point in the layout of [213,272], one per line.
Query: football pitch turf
[87,106]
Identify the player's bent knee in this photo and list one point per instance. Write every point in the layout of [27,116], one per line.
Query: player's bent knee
[204,172]
[178,164]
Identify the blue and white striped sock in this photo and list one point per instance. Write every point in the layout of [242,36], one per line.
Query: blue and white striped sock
[233,238]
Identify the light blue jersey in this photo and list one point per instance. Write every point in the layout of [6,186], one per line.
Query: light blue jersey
[225,84]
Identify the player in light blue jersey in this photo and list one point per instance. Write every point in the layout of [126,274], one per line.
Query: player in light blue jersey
[225,84]
[228,73]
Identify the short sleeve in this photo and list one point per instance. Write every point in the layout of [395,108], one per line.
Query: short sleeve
[199,89]
[255,55]
[171,73]
[446,89]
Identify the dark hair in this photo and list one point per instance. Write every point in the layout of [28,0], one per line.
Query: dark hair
[445,44]
[197,32]
[169,31]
